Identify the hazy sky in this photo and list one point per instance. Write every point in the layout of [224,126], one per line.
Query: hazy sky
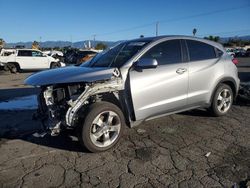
[28,20]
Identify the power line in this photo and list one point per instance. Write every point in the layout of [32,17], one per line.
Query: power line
[175,19]
[204,14]
[225,32]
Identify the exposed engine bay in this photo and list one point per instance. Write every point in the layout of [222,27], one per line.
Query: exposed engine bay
[62,105]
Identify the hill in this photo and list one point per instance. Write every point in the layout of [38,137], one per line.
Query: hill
[52,44]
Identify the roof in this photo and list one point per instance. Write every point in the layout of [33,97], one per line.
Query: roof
[153,39]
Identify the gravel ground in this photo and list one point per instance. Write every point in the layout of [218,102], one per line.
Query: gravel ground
[190,149]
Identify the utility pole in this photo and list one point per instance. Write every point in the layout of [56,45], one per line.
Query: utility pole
[40,41]
[70,40]
[93,41]
[156,28]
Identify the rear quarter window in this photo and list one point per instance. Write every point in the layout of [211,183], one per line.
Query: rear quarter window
[200,50]
[218,52]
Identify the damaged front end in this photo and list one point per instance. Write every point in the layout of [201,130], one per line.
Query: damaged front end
[62,105]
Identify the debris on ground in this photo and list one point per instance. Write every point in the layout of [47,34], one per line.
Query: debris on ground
[208,154]
[141,131]
[39,135]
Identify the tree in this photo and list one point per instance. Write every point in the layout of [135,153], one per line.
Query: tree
[100,46]
[2,43]
[213,38]
[35,45]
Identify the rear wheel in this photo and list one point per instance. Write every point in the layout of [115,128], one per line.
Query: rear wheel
[102,127]
[222,101]
[5,67]
[12,67]
[55,65]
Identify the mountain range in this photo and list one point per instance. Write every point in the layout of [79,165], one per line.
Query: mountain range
[52,44]
[82,44]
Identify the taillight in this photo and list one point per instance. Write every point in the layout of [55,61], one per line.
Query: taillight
[235,61]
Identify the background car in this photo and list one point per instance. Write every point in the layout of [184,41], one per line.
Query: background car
[240,52]
[75,56]
[247,52]
[230,52]
[30,59]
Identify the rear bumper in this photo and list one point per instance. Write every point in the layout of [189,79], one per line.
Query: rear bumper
[237,87]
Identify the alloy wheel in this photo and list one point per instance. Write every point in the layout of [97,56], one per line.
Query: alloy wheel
[105,129]
[224,101]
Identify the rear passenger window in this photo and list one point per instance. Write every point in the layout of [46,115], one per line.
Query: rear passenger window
[200,51]
[24,53]
[168,52]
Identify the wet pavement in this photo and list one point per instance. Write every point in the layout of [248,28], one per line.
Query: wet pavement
[190,149]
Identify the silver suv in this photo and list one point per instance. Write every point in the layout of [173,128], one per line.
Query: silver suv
[135,81]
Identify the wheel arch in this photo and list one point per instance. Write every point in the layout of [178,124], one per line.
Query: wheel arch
[228,81]
[117,100]
[16,64]
[52,62]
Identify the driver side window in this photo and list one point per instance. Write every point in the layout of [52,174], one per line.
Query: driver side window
[168,52]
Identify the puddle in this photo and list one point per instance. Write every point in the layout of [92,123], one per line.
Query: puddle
[20,103]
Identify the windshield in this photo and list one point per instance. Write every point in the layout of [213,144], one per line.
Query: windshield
[118,55]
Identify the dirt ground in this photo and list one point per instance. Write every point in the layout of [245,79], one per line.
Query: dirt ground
[190,149]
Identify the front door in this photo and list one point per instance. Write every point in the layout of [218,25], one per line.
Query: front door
[40,60]
[162,89]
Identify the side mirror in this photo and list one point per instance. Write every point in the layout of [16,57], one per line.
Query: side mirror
[146,63]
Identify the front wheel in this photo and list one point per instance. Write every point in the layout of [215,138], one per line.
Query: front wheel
[222,101]
[55,65]
[102,127]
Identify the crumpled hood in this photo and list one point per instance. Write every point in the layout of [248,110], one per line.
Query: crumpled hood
[70,74]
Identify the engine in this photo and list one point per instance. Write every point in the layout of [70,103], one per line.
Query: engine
[53,104]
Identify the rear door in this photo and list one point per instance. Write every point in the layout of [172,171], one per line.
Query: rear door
[24,58]
[162,89]
[203,69]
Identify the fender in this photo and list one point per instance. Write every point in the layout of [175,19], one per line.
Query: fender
[223,80]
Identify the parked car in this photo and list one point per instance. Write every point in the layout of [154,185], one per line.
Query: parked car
[239,52]
[55,54]
[230,52]
[136,81]
[248,52]
[29,59]
[4,53]
[74,56]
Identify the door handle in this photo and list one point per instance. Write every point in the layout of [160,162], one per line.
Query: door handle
[181,70]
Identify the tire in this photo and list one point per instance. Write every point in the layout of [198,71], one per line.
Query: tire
[99,132]
[222,100]
[12,67]
[6,68]
[55,65]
